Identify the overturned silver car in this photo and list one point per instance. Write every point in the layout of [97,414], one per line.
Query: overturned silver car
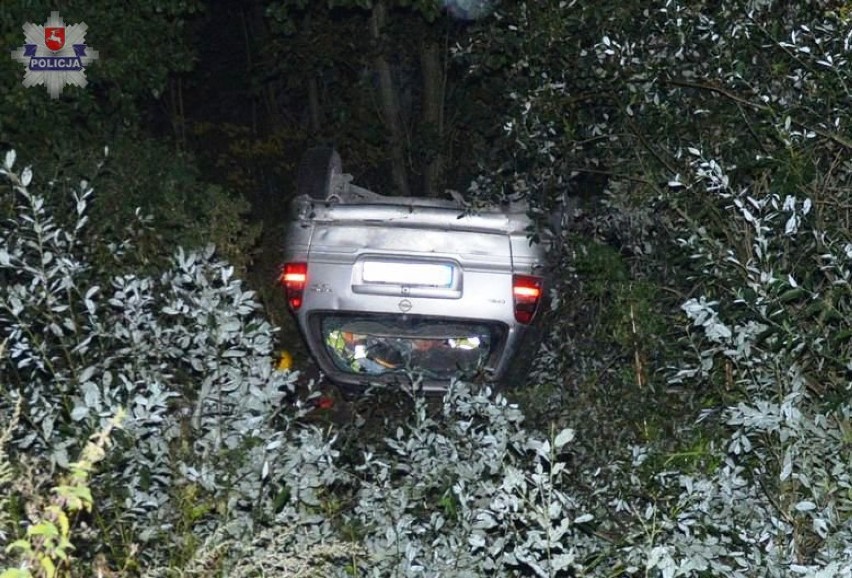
[398,290]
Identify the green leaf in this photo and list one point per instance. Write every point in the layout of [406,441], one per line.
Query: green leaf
[814,308]
[564,437]
[78,497]
[48,566]
[22,545]
[841,336]
[16,573]
[45,529]
[791,295]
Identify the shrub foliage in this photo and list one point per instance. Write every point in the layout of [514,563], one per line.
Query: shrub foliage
[217,469]
[716,267]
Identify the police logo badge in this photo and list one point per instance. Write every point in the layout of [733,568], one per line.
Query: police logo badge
[55,55]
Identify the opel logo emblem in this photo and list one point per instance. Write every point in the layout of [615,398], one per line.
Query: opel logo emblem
[405,305]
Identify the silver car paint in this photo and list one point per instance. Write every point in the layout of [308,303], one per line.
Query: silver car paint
[335,237]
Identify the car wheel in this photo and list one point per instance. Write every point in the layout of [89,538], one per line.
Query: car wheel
[317,170]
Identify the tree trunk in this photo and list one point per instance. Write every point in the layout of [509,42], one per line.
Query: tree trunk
[248,34]
[314,103]
[389,102]
[433,116]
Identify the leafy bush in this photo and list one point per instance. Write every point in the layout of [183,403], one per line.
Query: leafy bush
[218,469]
[47,547]
[136,176]
[184,353]
[779,334]
[468,493]
[719,135]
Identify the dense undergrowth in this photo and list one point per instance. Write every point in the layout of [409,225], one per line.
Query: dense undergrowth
[219,469]
[689,414]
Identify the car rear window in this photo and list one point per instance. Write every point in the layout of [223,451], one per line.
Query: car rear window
[382,344]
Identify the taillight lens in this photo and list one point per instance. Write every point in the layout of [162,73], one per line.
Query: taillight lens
[526,292]
[293,277]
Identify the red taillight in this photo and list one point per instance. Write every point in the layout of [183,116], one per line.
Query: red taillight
[526,292]
[293,277]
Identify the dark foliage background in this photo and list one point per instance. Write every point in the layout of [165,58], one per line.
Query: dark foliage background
[700,337]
